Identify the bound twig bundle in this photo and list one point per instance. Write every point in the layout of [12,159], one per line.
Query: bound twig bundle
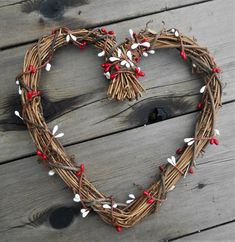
[121,67]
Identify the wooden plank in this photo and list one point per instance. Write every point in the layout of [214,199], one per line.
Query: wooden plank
[29,18]
[114,163]
[222,233]
[80,95]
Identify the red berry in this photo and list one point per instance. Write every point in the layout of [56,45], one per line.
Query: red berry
[183,55]
[150,200]
[161,167]
[141,73]
[82,168]
[29,95]
[83,44]
[146,193]
[112,76]
[111,32]
[216,141]
[106,69]
[179,151]
[32,69]
[137,70]
[144,40]
[44,157]
[119,229]
[39,153]
[200,106]
[103,65]
[117,67]
[104,30]
[211,141]
[216,70]
[78,173]
[190,170]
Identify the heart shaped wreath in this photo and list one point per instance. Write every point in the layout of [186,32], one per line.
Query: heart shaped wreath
[121,67]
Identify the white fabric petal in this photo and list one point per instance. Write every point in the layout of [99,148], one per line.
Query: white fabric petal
[176,33]
[151,52]
[172,188]
[55,129]
[119,52]
[76,198]
[190,142]
[51,173]
[112,59]
[123,62]
[134,46]
[131,33]
[107,74]
[202,89]
[59,135]
[128,65]
[67,38]
[73,37]
[145,44]
[129,201]
[129,55]
[217,132]
[131,196]
[186,140]
[106,206]
[84,212]
[48,67]
[101,53]
[145,54]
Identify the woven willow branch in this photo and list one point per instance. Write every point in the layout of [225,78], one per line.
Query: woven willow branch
[123,85]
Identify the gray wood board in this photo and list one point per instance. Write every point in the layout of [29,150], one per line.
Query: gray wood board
[114,163]
[23,22]
[224,233]
[76,100]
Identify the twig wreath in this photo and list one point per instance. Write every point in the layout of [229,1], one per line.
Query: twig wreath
[121,67]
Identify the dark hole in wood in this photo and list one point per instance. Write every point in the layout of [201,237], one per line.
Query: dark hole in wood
[158,114]
[61,217]
[52,8]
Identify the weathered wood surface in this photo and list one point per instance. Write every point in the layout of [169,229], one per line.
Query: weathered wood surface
[225,233]
[22,22]
[77,100]
[114,163]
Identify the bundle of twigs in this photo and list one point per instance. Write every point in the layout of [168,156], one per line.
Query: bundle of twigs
[121,67]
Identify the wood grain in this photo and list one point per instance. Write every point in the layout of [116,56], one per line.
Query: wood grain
[223,233]
[76,100]
[116,162]
[41,16]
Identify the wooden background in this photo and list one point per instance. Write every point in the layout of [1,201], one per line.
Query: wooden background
[121,153]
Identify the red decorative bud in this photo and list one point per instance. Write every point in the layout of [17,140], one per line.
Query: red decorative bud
[161,167]
[44,157]
[141,73]
[137,70]
[179,151]
[137,59]
[146,193]
[39,153]
[183,55]
[82,167]
[117,67]
[118,228]
[190,170]
[104,30]
[112,76]
[83,44]
[29,95]
[200,106]
[106,69]
[150,200]
[78,173]
[216,70]
[216,141]
[111,32]
[32,69]
[144,40]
